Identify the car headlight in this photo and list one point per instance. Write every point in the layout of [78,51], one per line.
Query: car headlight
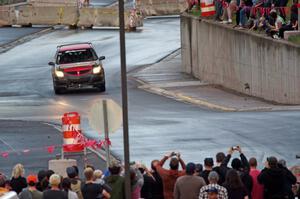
[59,73]
[97,69]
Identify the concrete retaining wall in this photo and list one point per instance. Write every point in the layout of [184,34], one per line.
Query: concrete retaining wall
[232,58]
[66,15]
[161,7]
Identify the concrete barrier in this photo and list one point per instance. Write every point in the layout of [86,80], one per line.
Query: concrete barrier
[100,17]
[5,16]
[65,15]
[234,59]
[52,2]
[60,166]
[50,15]
[161,7]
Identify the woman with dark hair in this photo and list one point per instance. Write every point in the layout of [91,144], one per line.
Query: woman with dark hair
[234,186]
[66,185]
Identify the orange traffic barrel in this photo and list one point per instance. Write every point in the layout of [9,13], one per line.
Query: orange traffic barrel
[207,8]
[72,132]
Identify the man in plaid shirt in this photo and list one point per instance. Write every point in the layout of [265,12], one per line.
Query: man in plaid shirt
[213,179]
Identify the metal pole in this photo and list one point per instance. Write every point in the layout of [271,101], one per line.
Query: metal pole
[124,99]
[106,133]
[298,14]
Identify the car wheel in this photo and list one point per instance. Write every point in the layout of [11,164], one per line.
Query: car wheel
[58,91]
[102,87]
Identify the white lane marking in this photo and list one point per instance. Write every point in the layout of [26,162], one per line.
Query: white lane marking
[9,146]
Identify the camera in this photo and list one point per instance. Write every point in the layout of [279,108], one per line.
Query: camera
[173,154]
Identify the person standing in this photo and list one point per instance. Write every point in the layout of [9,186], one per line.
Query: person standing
[208,167]
[66,185]
[234,186]
[169,176]
[188,186]
[115,181]
[273,179]
[31,192]
[213,179]
[157,186]
[55,192]
[18,181]
[91,190]
[72,173]
[258,189]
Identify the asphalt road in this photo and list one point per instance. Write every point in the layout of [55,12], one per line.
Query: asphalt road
[157,124]
[10,34]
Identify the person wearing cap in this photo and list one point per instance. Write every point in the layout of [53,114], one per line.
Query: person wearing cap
[72,173]
[31,192]
[189,185]
[212,193]
[116,181]
[169,176]
[274,179]
[208,167]
[213,179]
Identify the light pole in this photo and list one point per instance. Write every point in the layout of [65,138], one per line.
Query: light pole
[124,99]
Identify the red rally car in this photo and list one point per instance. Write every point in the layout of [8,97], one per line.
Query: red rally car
[77,66]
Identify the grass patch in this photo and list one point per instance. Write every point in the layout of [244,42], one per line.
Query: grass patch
[295,39]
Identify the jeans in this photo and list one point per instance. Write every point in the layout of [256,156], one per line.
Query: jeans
[219,10]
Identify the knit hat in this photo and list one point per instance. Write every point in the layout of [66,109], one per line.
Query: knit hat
[31,179]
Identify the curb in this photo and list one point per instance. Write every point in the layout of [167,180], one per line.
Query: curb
[181,97]
[6,47]
[198,101]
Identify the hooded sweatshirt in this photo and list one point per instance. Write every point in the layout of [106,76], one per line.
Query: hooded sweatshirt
[273,180]
[117,184]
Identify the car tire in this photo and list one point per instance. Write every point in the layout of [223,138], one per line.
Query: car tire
[58,91]
[102,87]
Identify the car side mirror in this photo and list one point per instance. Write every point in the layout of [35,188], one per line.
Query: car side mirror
[51,63]
[101,58]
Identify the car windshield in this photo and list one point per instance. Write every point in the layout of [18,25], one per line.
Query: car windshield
[73,56]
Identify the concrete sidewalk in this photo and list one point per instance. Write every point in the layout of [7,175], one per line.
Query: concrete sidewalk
[165,78]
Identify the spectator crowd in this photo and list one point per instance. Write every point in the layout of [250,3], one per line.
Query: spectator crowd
[269,16]
[212,180]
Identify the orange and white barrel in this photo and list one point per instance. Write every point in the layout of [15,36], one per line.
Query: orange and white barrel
[72,132]
[207,8]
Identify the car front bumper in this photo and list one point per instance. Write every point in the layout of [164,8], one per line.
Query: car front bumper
[79,81]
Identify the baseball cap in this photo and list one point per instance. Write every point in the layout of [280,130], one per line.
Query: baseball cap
[71,172]
[31,178]
[212,190]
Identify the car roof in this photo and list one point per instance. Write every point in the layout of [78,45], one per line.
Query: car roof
[76,46]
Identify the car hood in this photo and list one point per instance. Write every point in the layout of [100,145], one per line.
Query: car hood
[79,64]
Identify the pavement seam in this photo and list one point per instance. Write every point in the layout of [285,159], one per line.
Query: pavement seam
[8,46]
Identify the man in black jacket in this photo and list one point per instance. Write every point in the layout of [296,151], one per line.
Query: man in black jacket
[274,180]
